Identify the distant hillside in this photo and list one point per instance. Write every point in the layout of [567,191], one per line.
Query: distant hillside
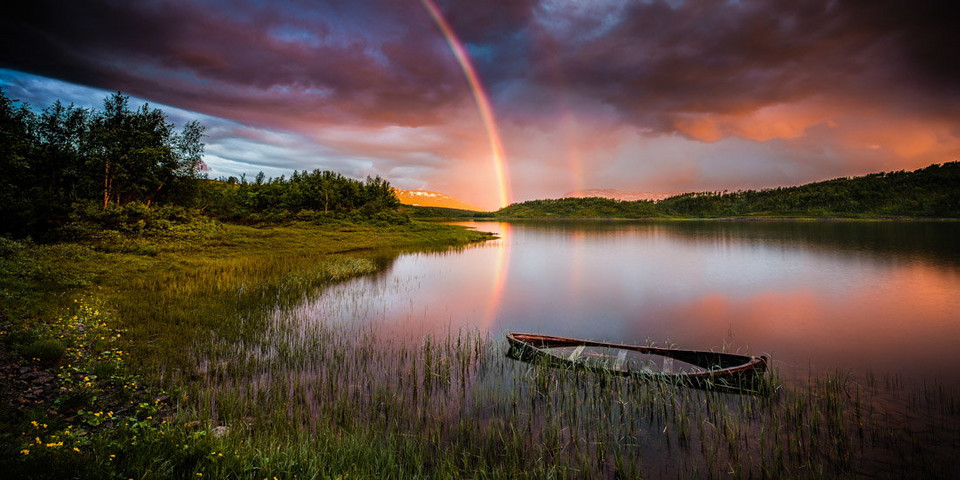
[616,194]
[424,198]
[929,192]
[589,207]
[442,212]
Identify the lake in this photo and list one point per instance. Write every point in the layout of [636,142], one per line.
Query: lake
[814,296]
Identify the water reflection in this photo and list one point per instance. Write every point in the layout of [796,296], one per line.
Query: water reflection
[499,276]
[813,295]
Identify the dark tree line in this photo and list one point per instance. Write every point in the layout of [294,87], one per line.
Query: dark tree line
[65,158]
[90,169]
[933,191]
[588,207]
[325,192]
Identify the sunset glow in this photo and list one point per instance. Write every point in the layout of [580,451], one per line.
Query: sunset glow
[483,103]
[537,99]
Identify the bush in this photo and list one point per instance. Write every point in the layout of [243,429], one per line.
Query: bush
[385,218]
[135,218]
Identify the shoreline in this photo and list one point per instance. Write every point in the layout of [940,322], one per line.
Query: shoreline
[693,219]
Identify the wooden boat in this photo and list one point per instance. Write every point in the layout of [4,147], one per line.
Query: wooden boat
[694,367]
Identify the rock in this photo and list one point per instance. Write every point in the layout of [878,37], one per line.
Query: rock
[220,431]
[40,378]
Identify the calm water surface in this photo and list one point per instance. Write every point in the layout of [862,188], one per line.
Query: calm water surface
[815,296]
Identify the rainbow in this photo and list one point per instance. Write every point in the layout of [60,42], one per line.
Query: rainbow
[480,96]
[500,273]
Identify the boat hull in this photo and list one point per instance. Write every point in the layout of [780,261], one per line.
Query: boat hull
[704,368]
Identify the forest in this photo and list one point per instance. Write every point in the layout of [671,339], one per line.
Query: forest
[67,171]
[930,192]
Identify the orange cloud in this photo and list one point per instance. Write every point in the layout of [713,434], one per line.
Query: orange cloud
[774,121]
[910,139]
[907,137]
[703,127]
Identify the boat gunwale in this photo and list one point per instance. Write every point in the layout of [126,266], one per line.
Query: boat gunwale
[534,344]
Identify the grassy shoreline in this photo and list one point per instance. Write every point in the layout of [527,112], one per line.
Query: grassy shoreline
[214,375]
[100,335]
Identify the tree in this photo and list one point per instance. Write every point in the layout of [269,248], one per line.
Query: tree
[60,133]
[139,153]
[17,145]
[63,156]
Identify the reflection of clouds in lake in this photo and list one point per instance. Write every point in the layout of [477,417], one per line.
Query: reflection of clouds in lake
[849,296]
[901,319]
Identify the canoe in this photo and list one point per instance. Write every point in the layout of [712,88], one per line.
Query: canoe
[695,367]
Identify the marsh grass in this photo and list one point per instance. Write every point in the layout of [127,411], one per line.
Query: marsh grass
[457,405]
[263,392]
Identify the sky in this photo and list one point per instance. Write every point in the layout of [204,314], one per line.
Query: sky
[503,101]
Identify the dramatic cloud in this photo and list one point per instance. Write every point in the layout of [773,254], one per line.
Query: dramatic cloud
[648,95]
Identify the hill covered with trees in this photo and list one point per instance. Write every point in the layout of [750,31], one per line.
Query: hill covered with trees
[931,192]
[586,207]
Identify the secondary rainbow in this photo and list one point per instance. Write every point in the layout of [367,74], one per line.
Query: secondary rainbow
[480,96]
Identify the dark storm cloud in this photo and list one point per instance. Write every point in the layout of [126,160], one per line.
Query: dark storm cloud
[655,61]
[384,61]
[241,59]
[728,58]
